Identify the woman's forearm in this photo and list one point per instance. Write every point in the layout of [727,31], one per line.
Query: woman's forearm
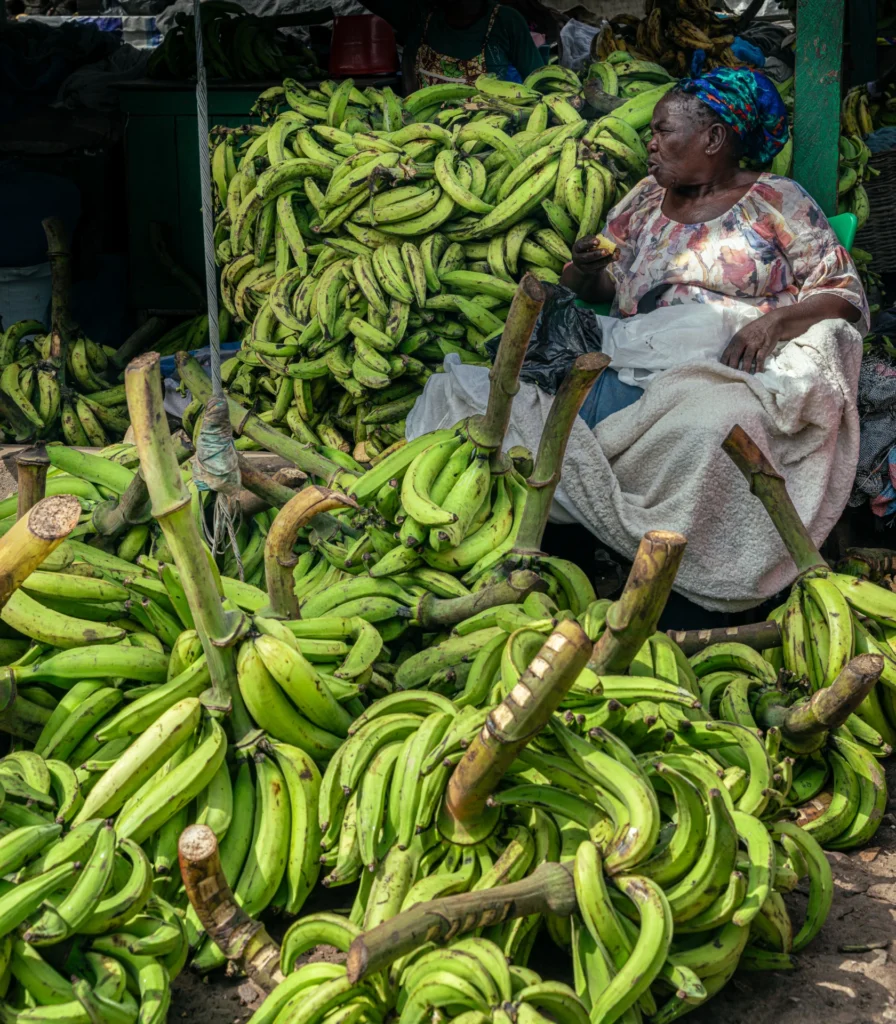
[599,287]
[792,321]
[756,341]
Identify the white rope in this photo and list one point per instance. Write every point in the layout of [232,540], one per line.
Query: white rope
[208,216]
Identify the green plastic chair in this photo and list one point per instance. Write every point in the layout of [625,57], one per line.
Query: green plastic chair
[844,226]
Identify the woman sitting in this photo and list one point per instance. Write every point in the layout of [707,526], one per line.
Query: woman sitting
[704,241]
[701,228]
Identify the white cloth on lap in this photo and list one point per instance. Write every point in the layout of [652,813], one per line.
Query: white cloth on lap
[658,464]
[644,345]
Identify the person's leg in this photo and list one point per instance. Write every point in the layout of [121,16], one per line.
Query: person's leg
[608,395]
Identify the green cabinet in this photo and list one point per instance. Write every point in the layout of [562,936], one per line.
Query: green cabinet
[163,181]
[163,177]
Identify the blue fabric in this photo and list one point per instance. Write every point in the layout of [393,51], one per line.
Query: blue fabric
[608,395]
[748,53]
[747,102]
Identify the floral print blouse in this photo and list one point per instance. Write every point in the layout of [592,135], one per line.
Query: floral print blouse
[774,247]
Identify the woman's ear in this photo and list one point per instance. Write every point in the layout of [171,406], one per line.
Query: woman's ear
[717,136]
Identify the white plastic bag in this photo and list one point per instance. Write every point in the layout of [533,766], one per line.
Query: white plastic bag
[575,42]
[644,345]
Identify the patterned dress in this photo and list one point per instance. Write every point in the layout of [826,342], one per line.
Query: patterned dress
[774,247]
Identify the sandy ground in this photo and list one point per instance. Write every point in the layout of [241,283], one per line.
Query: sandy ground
[833,984]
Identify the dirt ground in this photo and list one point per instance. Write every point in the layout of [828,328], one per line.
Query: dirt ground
[834,983]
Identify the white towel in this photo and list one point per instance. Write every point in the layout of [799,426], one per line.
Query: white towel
[659,463]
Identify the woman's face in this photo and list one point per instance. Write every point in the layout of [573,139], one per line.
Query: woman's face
[682,135]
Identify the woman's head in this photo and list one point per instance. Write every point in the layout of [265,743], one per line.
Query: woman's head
[704,125]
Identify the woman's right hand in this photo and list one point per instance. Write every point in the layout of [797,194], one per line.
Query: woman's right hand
[588,257]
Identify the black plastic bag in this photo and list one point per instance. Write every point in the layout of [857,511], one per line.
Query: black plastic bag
[563,332]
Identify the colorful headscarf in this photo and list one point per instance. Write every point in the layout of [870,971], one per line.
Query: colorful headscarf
[748,102]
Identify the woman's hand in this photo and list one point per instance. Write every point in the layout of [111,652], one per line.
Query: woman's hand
[587,273]
[588,257]
[753,344]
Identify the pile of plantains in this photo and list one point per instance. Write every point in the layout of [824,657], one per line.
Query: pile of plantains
[363,237]
[390,687]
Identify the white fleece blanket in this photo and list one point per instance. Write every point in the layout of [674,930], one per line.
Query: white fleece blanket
[658,464]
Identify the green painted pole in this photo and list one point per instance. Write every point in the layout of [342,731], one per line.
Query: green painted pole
[819,58]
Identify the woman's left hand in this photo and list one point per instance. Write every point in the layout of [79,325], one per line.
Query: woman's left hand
[752,345]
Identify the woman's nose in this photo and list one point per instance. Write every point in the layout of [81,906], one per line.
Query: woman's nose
[652,145]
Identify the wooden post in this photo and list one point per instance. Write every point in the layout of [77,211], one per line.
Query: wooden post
[32,465]
[819,56]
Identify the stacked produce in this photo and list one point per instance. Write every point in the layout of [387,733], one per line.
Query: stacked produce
[192,334]
[419,703]
[854,167]
[236,45]
[363,237]
[865,113]
[872,282]
[41,399]
[681,915]
[55,383]
[670,33]
[622,74]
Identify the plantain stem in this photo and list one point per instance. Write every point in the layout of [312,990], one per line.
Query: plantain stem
[769,487]
[171,509]
[279,557]
[633,618]
[758,635]
[272,492]
[868,563]
[31,465]
[134,345]
[237,935]
[550,889]
[436,614]
[243,422]
[465,816]
[552,447]
[488,431]
[61,323]
[112,517]
[830,707]
[38,533]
